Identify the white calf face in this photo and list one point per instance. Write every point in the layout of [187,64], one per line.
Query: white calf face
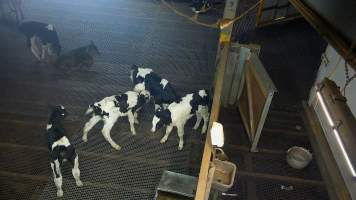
[139,87]
[164,82]
[147,95]
[155,121]
[143,72]
[202,93]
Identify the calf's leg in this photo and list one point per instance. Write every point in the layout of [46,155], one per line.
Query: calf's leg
[89,125]
[131,117]
[205,115]
[57,176]
[180,129]
[108,124]
[168,131]
[197,123]
[136,116]
[36,47]
[76,171]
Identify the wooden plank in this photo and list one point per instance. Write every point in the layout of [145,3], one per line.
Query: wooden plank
[260,97]
[287,19]
[264,81]
[204,169]
[285,132]
[244,110]
[258,100]
[259,13]
[245,149]
[261,121]
[250,102]
[327,31]
[251,185]
[229,77]
[225,34]
[239,79]
[299,181]
[326,162]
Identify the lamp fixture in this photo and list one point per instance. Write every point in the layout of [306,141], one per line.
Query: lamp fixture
[217,134]
[336,133]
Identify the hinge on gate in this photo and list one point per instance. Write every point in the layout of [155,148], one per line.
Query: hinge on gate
[337,125]
[324,59]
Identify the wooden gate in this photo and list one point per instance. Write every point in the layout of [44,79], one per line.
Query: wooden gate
[249,87]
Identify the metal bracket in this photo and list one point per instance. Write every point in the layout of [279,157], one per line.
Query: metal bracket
[325,59]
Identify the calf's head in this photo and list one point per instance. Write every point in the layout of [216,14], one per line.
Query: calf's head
[140,85]
[146,95]
[161,117]
[58,112]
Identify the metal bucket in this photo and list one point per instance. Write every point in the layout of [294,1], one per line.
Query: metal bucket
[298,157]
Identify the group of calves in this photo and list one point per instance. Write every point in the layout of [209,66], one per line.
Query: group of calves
[170,111]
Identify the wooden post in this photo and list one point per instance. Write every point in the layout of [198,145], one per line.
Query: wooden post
[225,34]
[259,13]
[204,169]
[221,59]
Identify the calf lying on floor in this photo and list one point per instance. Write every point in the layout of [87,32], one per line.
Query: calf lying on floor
[111,108]
[60,149]
[145,79]
[177,114]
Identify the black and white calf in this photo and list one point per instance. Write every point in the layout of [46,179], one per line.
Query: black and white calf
[111,108]
[42,40]
[161,90]
[60,148]
[177,114]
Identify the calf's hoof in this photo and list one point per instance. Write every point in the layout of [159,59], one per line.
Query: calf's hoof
[60,193]
[85,139]
[180,148]
[195,127]
[163,140]
[117,147]
[79,183]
